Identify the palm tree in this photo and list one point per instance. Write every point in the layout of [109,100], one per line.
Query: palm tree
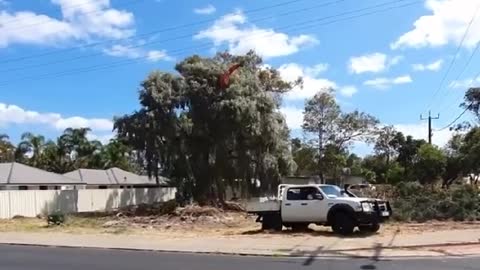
[116,154]
[7,150]
[83,152]
[31,146]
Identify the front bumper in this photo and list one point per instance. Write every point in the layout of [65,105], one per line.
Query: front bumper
[381,212]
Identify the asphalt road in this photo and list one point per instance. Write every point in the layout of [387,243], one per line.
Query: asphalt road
[49,258]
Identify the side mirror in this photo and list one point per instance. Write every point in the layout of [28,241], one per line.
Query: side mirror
[332,196]
[318,197]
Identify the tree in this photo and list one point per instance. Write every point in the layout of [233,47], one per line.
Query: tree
[31,145]
[388,142]
[429,164]
[7,150]
[470,151]
[305,158]
[407,151]
[116,154]
[82,152]
[191,130]
[472,101]
[334,129]
[454,167]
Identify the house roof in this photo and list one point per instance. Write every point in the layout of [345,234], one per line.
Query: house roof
[113,176]
[20,174]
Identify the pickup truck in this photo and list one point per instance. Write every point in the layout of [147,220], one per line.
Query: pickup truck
[297,206]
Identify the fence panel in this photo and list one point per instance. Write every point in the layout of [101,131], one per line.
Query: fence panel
[30,203]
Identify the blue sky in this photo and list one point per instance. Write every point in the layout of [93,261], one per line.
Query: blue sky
[79,62]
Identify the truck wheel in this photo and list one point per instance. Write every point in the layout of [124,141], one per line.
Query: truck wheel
[372,228]
[299,227]
[343,224]
[272,222]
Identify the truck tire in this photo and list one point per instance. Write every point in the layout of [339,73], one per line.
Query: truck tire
[343,223]
[372,228]
[272,222]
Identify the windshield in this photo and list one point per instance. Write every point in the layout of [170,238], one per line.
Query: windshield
[333,191]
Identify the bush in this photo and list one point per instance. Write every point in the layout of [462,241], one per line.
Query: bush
[56,219]
[413,202]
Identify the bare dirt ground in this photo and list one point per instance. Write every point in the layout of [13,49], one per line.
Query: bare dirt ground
[192,221]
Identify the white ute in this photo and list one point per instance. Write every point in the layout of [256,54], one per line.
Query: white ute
[297,206]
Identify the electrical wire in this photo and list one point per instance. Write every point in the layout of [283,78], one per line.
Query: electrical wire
[454,58]
[146,34]
[127,62]
[255,20]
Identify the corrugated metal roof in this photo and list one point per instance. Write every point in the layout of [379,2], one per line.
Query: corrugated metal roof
[113,176]
[19,174]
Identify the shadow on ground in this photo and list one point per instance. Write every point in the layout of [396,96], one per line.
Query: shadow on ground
[309,232]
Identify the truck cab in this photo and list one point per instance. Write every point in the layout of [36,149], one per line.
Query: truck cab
[297,206]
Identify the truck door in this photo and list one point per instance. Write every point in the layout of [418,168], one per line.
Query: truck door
[303,204]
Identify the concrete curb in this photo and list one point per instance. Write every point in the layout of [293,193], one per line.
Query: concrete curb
[338,252]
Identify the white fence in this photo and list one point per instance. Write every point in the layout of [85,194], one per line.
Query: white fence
[30,203]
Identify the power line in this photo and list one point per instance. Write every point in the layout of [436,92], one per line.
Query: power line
[206,45]
[146,34]
[474,80]
[47,19]
[164,40]
[455,57]
[255,20]
[67,7]
[469,60]
[455,120]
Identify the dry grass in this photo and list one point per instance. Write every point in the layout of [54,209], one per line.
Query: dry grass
[194,221]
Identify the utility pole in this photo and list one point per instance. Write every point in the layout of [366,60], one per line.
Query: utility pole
[429,118]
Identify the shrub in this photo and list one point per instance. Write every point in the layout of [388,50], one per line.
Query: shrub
[56,219]
[413,202]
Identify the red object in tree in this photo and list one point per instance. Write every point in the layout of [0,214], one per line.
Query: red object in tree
[224,79]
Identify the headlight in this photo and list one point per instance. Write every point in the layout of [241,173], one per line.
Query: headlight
[367,207]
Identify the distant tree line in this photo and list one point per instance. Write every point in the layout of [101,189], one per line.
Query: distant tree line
[70,151]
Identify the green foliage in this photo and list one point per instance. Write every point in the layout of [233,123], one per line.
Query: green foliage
[305,157]
[334,131]
[429,164]
[414,202]
[7,150]
[56,219]
[191,130]
[72,150]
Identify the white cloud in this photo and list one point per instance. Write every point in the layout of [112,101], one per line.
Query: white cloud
[434,66]
[12,114]
[135,51]
[240,37]
[293,116]
[80,21]
[103,138]
[420,131]
[156,55]
[348,91]
[210,9]
[446,23]
[465,84]
[374,62]
[316,70]
[123,51]
[311,85]
[383,83]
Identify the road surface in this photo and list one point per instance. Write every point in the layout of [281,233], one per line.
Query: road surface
[50,258]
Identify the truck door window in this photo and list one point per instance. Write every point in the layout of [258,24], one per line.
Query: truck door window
[303,194]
